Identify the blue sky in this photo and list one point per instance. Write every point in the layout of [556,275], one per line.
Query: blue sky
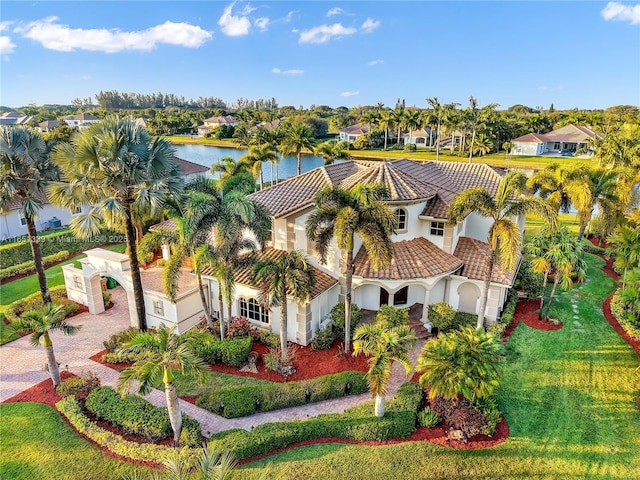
[571,54]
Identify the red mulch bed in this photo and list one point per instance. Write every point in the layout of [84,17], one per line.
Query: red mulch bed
[527,313]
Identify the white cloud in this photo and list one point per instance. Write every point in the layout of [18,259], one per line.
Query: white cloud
[234,26]
[262,23]
[6,45]
[545,88]
[5,25]
[370,25]
[288,17]
[248,9]
[350,94]
[623,13]
[373,63]
[335,11]
[55,36]
[293,71]
[324,33]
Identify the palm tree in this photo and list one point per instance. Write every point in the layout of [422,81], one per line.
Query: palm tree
[411,120]
[296,138]
[383,346]
[504,239]
[386,122]
[331,151]
[160,353]
[399,121]
[228,168]
[475,118]
[551,184]
[483,144]
[257,156]
[370,118]
[39,324]
[624,246]
[345,213]
[289,276]
[439,115]
[25,172]
[462,362]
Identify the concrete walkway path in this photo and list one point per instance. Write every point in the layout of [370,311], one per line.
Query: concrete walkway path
[22,366]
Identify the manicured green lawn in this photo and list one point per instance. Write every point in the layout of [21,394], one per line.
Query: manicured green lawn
[37,444]
[569,397]
[535,223]
[12,291]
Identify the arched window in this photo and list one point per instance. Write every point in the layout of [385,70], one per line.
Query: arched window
[252,310]
[401,219]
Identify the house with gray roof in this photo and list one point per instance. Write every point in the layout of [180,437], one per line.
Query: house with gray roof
[562,141]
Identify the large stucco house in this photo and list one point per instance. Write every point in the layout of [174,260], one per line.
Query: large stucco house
[433,261]
[566,140]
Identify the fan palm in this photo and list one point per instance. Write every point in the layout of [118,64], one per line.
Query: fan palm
[504,239]
[331,151]
[296,138]
[160,352]
[25,172]
[39,324]
[342,214]
[463,362]
[384,346]
[257,156]
[291,275]
[115,166]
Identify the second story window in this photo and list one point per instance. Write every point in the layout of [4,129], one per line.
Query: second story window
[401,219]
[437,229]
[158,307]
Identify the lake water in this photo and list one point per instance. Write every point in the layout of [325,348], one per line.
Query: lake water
[208,155]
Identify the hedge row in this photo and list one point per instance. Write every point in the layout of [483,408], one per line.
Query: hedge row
[230,351]
[356,423]
[499,326]
[146,452]
[624,318]
[30,266]
[242,401]
[20,252]
[137,416]
[34,302]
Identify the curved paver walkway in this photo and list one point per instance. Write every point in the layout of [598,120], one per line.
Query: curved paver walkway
[22,366]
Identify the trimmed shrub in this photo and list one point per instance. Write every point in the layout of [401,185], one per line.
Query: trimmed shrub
[337,317]
[323,339]
[106,299]
[461,415]
[70,408]
[626,318]
[392,317]
[428,418]
[191,434]
[589,247]
[489,408]
[230,351]
[116,340]
[120,357]
[409,397]
[34,302]
[442,315]
[242,401]
[270,339]
[527,280]
[78,385]
[499,326]
[241,327]
[30,266]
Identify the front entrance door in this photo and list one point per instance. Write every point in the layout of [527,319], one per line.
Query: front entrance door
[384,297]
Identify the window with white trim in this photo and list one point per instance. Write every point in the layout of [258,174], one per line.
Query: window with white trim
[77,282]
[158,307]
[23,221]
[401,218]
[252,310]
[437,229]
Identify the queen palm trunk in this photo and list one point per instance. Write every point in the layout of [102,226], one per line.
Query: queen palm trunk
[347,300]
[485,291]
[135,268]
[229,315]
[173,406]
[221,311]
[37,259]
[437,142]
[205,305]
[553,292]
[544,289]
[54,371]
[283,325]
[261,178]
[299,163]
[386,132]
[379,405]
[473,138]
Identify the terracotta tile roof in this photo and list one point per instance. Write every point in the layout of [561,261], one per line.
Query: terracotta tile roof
[467,175]
[244,276]
[475,255]
[169,225]
[16,203]
[189,168]
[417,258]
[436,208]
[297,192]
[401,186]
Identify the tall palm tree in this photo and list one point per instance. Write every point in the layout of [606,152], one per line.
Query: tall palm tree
[383,346]
[475,118]
[399,121]
[160,352]
[228,168]
[257,156]
[342,214]
[624,246]
[25,172]
[39,324]
[386,122]
[483,144]
[438,114]
[551,184]
[296,138]
[115,166]
[370,118]
[289,276]
[331,151]
[504,239]
[411,120]
[462,362]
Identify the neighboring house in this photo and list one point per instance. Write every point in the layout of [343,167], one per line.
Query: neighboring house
[47,126]
[80,121]
[566,140]
[270,126]
[433,261]
[190,170]
[420,138]
[212,123]
[16,118]
[350,134]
